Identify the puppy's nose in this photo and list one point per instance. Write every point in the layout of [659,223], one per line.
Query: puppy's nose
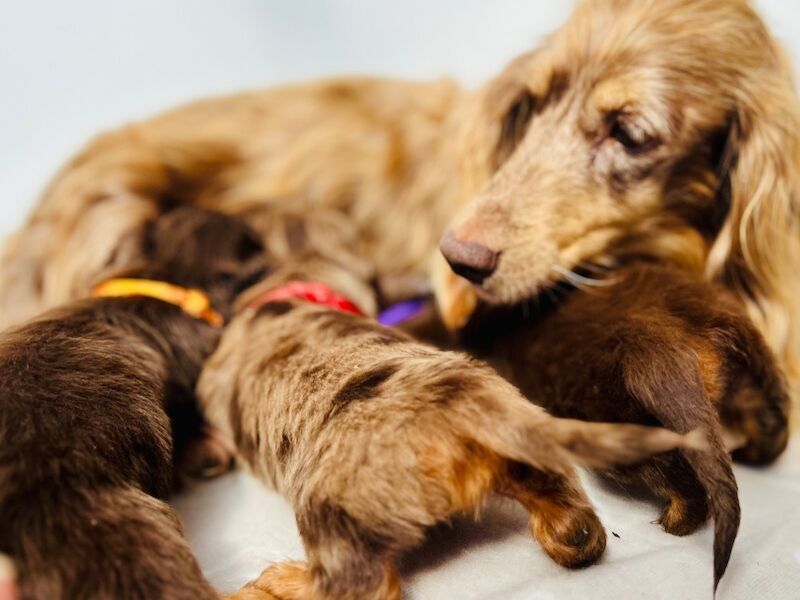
[471,260]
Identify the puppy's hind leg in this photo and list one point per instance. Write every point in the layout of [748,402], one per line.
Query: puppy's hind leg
[540,451]
[561,518]
[346,561]
[669,477]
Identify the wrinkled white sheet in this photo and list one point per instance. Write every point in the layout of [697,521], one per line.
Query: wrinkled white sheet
[236,527]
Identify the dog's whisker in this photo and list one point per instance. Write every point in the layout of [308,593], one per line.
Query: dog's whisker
[580,281]
[595,267]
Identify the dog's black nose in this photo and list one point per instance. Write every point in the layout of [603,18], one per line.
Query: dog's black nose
[471,260]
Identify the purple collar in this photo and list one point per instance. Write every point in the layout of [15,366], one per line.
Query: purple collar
[401,312]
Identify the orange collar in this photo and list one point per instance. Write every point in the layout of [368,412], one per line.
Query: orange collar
[191,301]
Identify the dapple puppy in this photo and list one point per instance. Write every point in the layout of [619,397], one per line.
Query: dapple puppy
[655,345]
[374,437]
[87,392]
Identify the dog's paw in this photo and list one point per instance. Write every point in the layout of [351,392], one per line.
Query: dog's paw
[281,581]
[683,516]
[575,540]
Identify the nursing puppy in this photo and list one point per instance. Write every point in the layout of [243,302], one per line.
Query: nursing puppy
[655,345]
[374,437]
[87,392]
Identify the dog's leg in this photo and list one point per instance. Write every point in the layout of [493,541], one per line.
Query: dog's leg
[670,478]
[299,581]
[561,517]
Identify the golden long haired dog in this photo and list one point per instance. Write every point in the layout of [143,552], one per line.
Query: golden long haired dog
[664,128]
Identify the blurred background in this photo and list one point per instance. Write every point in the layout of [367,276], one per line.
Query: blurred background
[71,69]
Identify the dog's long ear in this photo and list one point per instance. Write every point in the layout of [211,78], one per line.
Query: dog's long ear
[495,122]
[757,251]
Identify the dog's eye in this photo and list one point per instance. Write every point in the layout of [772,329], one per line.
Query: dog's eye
[635,139]
[515,125]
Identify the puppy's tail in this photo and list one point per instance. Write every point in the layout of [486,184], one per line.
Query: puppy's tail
[680,403]
[526,433]
[606,445]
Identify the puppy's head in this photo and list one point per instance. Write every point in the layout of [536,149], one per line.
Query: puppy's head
[195,248]
[663,129]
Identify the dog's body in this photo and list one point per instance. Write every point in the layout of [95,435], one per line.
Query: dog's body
[375,437]
[709,181]
[655,345]
[87,395]
[378,150]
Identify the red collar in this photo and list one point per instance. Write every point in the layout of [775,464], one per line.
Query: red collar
[317,293]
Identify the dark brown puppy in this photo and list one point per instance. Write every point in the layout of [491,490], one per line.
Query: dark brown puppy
[86,396]
[374,437]
[657,346]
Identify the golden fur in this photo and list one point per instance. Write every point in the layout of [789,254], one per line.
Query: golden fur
[701,84]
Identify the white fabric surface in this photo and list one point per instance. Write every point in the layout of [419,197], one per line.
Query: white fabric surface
[237,527]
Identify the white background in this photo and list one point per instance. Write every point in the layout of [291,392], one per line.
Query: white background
[69,68]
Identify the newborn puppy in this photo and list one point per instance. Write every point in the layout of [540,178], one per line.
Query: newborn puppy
[374,437]
[86,396]
[655,346]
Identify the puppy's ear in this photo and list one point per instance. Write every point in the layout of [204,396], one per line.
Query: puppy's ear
[496,121]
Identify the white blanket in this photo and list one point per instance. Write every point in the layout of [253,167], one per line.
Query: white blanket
[237,527]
